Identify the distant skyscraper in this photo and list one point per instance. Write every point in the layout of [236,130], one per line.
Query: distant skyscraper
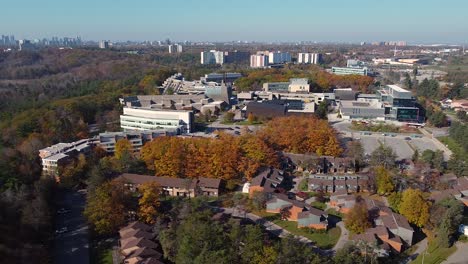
[103,44]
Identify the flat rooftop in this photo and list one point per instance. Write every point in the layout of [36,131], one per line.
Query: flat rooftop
[360,104]
[398,88]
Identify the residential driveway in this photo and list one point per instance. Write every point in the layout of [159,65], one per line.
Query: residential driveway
[344,237]
[72,247]
[460,256]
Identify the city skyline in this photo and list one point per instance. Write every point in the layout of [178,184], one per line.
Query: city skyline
[263,21]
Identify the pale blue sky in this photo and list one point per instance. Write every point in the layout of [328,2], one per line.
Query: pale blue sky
[261,20]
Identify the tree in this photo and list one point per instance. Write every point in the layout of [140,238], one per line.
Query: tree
[259,200]
[355,151]
[107,207]
[383,156]
[357,220]
[451,218]
[251,118]
[394,200]
[285,213]
[229,117]
[349,254]
[322,110]
[384,181]
[414,207]
[149,202]
[268,255]
[415,156]
[123,149]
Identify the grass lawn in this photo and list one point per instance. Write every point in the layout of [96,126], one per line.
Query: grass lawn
[323,240]
[435,255]
[332,211]
[319,205]
[451,144]
[102,253]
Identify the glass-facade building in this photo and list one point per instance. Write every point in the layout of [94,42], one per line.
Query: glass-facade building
[399,104]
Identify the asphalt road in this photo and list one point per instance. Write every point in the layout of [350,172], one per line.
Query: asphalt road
[72,247]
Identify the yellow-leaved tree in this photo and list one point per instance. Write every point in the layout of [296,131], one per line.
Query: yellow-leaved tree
[148,204]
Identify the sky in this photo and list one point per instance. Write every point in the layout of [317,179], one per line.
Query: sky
[417,21]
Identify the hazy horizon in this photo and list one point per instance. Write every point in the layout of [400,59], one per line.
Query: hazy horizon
[421,22]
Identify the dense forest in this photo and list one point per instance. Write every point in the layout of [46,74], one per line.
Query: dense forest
[49,96]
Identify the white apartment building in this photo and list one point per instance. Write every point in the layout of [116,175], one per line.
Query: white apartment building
[259,61]
[134,118]
[279,57]
[309,58]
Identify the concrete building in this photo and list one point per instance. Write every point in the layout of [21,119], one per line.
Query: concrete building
[236,56]
[389,103]
[228,77]
[362,110]
[108,140]
[276,87]
[212,57]
[175,48]
[399,104]
[349,71]
[299,85]
[279,57]
[60,154]
[309,58]
[153,119]
[355,64]
[259,61]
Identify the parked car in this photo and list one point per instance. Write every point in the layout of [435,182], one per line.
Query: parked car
[63,211]
[61,230]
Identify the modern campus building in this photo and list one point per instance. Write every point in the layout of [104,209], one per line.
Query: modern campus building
[299,85]
[137,139]
[309,58]
[276,87]
[389,103]
[154,119]
[349,71]
[60,154]
[399,103]
[228,77]
[293,86]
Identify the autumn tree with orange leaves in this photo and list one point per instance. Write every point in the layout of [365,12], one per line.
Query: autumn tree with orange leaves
[302,134]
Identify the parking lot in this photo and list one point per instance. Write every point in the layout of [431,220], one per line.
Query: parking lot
[403,144]
[403,148]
